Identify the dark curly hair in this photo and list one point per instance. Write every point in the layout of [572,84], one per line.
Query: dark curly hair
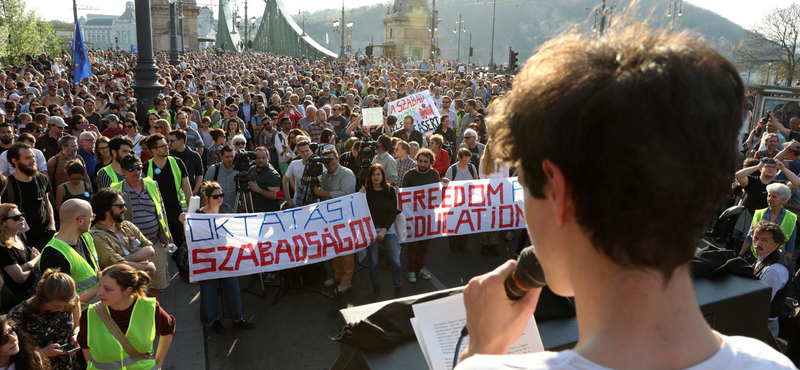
[768,226]
[28,357]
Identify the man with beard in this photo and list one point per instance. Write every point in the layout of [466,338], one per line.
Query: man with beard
[119,147]
[418,250]
[116,239]
[57,165]
[29,189]
[48,142]
[72,249]
[6,137]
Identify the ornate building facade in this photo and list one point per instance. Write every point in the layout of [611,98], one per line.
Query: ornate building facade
[406,29]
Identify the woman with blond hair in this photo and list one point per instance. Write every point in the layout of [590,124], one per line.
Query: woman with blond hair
[51,318]
[123,297]
[17,257]
[491,168]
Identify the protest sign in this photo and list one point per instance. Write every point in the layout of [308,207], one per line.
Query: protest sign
[224,245]
[373,117]
[461,207]
[421,107]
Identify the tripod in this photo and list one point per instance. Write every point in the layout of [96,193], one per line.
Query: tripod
[244,198]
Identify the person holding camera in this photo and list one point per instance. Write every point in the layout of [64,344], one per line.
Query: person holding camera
[337,181]
[225,174]
[294,174]
[265,182]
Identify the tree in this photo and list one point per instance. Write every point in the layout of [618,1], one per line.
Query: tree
[773,40]
[26,33]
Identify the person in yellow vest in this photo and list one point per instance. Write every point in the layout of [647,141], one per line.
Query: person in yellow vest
[777,195]
[122,296]
[119,148]
[145,209]
[72,249]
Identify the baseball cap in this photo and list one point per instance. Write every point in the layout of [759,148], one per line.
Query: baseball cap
[130,161]
[58,121]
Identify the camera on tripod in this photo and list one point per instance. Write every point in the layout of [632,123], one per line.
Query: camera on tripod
[366,152]
[242,162]
[314,170]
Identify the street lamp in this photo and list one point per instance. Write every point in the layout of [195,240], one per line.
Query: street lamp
[345,29]
[673,6]
[145,82]
[769,71]
[173,34]
[459,25]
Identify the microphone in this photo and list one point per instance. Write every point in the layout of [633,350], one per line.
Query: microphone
[528,275]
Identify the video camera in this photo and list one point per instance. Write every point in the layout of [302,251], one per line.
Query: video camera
[242,162]
[314,170]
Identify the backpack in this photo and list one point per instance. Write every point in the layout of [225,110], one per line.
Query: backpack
[471,168]
[411,176]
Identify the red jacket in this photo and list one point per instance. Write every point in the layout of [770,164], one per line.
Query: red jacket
[442,161]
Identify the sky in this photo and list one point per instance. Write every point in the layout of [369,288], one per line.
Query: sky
[742,12]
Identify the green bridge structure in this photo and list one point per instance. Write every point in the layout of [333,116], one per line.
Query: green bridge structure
[278,33]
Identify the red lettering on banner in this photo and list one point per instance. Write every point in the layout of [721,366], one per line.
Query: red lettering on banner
[366,222]
[510,209]
[459,191]
[197,260]
[283,247]
[432,198]
[250,256]
[224,266]
[314,243]
[445,197]
[464,218]
[520,216]
[300,252]
[494,217]
[403,197]
[433,220]
[481,190]
[497,190]
[346,242]
[444,216]
[329,242]
[477,212]
[419,199]
[360,237]
[419,226]
[263,252]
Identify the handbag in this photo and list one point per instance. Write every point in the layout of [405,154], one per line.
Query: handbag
[117,333]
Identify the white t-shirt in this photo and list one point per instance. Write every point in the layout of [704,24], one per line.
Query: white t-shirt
[737,353]
[295,172]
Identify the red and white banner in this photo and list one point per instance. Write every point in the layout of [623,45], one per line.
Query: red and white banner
[461,207]
[224,245]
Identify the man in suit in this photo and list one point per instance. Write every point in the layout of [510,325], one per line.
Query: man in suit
[247,108]
[408,133]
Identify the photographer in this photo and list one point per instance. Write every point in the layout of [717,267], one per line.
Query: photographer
[225,174]
[265,182]
[294,174]
[384,159]
[337,181]
[349,158]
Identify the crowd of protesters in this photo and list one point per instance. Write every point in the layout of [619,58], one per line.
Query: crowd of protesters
[95,186]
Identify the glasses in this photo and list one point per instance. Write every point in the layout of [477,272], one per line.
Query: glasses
[239,144]
[128,126]
[121,205]
[15,218]
[217,196]
[7,337]
[135,169]
[468,137]
[162,146]
[102,148]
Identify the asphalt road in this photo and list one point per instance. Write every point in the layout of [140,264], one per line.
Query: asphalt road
[295,332]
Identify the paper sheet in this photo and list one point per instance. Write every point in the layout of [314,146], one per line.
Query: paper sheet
[438,326]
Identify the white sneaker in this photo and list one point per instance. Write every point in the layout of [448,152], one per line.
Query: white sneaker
[412,277]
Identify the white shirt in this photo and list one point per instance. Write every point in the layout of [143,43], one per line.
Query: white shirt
[295,172]
[41,163]
[774,275]
[737,353]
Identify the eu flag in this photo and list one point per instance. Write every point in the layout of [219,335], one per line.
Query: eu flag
[83,68]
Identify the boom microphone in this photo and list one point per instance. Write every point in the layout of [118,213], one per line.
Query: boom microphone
[528,275]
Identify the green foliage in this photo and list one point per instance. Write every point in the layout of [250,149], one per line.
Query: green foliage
[24,32]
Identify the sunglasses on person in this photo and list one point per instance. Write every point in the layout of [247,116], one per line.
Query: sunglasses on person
[135,169]
[128,126]
[7,336]
[217,196]
[120,205]
[239,144]
[15,218]
[468,137]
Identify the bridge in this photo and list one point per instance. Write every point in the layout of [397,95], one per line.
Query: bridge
[278,33]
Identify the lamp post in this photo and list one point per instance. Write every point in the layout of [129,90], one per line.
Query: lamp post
[145,82]
[344,29]
[173,34]
[491,53]
[605,17]
[433,28]
[769,71]
[180,20]
[673,6]
[459,25]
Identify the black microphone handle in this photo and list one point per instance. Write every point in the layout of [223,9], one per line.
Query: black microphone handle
[528,275]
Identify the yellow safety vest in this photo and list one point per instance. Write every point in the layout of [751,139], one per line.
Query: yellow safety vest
[176,174]
[787,226]
[111,173]
[84,274]
[106,353]
[152,189]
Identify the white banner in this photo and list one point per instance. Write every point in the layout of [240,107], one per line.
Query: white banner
[224,245]
[461,207]
[421,107]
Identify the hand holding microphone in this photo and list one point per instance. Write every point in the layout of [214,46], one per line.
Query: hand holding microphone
[500,303]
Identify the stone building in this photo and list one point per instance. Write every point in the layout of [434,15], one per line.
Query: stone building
[111,31]
[159,15]
[406,29]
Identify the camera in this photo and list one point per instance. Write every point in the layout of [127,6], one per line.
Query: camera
[314,169]
[242,162]
[366,152]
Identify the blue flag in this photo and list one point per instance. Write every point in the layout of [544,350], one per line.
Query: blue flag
[134,49]
[83,68]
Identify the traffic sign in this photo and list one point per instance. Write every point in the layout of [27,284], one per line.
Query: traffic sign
[433,41]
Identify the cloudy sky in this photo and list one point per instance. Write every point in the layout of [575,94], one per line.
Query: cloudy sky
[743,12]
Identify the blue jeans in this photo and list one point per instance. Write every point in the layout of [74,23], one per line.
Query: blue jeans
[231,300]
[392,250]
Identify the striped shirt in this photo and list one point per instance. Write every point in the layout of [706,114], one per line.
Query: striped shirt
[404,166]
[103,181]
[143,210]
